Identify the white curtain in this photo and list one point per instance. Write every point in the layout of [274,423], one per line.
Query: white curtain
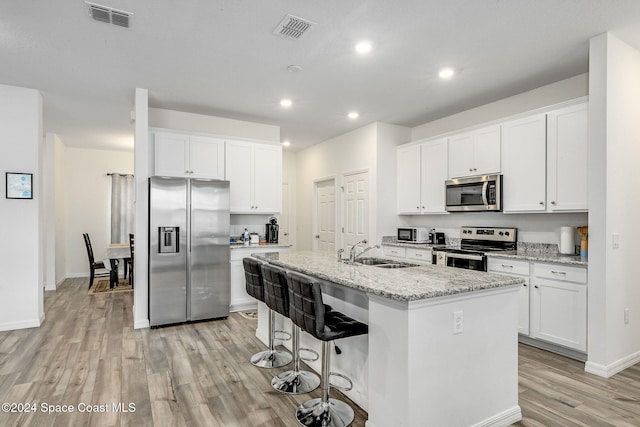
[122,209]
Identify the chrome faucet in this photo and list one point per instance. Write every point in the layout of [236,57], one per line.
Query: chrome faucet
[367,249]
[340,251]
[352,251]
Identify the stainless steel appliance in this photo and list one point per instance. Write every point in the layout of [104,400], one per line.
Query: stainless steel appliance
[189,276]
[413,235]
[271,230]
[479,193]
[475,242]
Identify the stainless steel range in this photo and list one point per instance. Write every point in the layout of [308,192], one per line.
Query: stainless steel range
[474,244]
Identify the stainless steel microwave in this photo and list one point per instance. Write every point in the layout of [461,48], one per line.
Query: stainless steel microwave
[413,234]
[478,193]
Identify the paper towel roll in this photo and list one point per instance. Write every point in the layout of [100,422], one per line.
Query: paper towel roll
[567,240]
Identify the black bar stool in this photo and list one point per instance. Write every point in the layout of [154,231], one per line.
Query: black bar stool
[276,296]
[270,358]
[307,310]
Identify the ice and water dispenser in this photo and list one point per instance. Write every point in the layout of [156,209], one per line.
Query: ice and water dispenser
[168,240]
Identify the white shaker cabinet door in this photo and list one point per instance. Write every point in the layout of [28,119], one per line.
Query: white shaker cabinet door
[206,157]
[434,174]
[408,172]
[524,164]
[486,151]
[239,172]
[267,178]
[567,140]
[461,155]
[170,154]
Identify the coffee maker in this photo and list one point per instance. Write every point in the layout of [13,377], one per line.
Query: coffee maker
[271,230]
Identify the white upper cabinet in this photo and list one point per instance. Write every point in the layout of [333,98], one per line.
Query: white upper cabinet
[183,155]
[475,153]
[567,139]
[523,164]
[255,173]
[544,161]
[422,170]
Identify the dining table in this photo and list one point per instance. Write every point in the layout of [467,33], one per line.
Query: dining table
[116,252]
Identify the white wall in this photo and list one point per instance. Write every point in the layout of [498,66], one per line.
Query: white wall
[614,203]
[21,287]
[564,90]
[289,176]
[353,151]
[87,203]
[60,169]
[386,218]
[190,122]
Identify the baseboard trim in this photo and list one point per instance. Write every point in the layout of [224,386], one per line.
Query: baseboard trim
[12,326]
[607,371]
[248,305]
[502,419]
[141,324]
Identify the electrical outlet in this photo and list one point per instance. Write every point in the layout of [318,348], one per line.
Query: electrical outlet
[626,316]
[457,322]
[615,241]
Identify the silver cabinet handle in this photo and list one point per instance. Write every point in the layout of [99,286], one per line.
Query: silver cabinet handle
[541,203]
[559,272]
[470,169]
[507,266]
[535,286]
[553,203]
[317,236]
[525,285]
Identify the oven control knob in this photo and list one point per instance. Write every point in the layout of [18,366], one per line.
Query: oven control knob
[506,233]
[501,233]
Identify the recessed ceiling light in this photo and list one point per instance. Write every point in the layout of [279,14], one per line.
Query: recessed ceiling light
[286,103]
[353,115]
[446,73]
[294,68]
[363,47]
[286,143]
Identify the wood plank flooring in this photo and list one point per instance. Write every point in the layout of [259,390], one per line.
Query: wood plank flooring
[86,354]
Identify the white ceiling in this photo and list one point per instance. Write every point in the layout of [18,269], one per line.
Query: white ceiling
[219,57]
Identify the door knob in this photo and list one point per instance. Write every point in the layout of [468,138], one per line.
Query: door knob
[317,236]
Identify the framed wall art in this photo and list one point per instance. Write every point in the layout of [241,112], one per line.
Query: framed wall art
[19,185]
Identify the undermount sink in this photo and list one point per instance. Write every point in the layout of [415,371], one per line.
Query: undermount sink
[384,263]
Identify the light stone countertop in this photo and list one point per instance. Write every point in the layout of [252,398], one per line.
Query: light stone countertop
[532,255]
[402,284]
[240,245]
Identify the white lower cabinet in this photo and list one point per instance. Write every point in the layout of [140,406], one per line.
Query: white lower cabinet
[553,301]
[239,299]
[394,251]
[559,305]
[419,254]
[517,269]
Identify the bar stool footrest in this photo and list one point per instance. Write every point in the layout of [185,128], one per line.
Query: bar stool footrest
[309,359]
[339,387]
[286,336]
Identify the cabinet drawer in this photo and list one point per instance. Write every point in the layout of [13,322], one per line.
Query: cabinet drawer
[394,251]
[419,254]
[560,272]
[510,266]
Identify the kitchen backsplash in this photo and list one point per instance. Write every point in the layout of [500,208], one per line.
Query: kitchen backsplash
[253,223]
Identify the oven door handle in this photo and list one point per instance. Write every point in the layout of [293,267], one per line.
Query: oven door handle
[485,188]
[465,256]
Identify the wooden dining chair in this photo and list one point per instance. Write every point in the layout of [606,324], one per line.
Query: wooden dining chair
[93,265]
[131,241]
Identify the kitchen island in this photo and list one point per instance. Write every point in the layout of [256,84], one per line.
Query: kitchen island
[442,343]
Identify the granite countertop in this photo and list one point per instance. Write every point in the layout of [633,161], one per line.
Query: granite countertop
[526,251]
[533,255]
[240,245]
[403,284]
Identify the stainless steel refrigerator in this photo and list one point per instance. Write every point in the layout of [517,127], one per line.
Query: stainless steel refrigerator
[189,275]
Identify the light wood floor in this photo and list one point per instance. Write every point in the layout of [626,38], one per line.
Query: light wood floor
[86,352]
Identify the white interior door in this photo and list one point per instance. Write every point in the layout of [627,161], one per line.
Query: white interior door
[285,215]
[326,216]
[356,208]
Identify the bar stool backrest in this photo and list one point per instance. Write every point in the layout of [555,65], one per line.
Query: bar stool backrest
[306,308]
[253,277]
[276,291]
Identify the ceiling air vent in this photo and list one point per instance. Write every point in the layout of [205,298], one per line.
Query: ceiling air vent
[293,27]
[110,15]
